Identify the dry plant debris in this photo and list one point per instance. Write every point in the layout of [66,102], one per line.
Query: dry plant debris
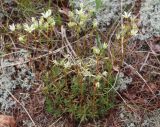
[7,121]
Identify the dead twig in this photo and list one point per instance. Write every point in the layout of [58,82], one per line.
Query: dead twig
[133,69]
[145,61]
[21,105]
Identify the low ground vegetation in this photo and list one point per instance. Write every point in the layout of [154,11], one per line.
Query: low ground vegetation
[71,63]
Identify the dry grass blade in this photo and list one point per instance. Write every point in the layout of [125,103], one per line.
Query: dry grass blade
[22,106]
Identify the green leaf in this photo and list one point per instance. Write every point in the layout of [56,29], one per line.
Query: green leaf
[98,41]
[56,71]
[98,4]
[49,105]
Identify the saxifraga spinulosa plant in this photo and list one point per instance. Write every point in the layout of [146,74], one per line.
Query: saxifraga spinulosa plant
[80,88]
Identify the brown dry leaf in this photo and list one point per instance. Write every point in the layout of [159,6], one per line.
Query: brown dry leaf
[116,68]
[154,47]
[64,11]
[7,121]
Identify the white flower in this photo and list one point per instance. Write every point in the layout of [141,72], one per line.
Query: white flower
[29,28]
[98,77]
[133,19]
[96,50]
[47,13]
[45,25]
[12,27]
[71,14]
[26,26]
[134,26]
[22,38]
[35,25]
[81,5]
[18,26]
[80,12]
[41,21]
[81,23]
[97,84]
[67,64]
[55,62]
[134,32]
[33,19]
[51,21]
[72,24]
[95,23]
[118,36]
[105,45]
[104,73]
[86,73]
[126,15]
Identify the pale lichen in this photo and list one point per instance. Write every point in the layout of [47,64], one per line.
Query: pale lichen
[13,76]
